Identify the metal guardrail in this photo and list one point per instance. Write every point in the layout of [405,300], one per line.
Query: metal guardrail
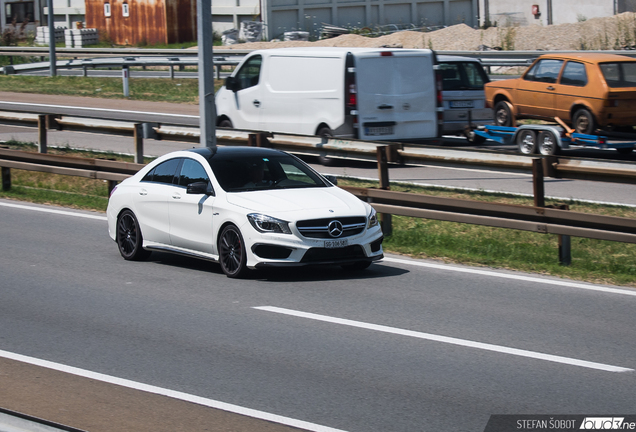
[526,218]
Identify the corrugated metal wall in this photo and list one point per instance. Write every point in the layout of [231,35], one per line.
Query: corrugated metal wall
[148,21]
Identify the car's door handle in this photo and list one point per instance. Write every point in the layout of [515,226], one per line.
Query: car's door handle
[176,196]
[256,103]
[385,106]
[550,88]
[143,192]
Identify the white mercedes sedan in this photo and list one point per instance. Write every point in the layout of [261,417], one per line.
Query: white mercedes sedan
[243,207]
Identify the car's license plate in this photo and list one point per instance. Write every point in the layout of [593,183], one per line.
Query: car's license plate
[333,244]
[461,104]
[379,130]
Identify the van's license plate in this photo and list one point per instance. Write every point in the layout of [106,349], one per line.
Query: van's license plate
[333,244]
[461,104]
[379,130]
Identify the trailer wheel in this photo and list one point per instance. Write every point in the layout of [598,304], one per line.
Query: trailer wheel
[584,122]
[503,114]
[527,142]
[547,144]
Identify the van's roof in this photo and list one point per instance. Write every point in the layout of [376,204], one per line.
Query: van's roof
[452,58]
[339,51]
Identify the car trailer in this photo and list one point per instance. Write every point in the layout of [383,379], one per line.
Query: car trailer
[549,139]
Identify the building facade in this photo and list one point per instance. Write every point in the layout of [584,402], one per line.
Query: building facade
[26,15]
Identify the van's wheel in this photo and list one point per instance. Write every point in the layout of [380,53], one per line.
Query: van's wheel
[547,144]
[226,123]
[527,142]
[503,114]
[583,122]
[473,138]
[325,132]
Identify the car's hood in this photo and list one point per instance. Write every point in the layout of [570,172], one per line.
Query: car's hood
[327,200]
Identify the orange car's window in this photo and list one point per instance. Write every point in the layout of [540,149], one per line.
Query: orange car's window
[620,74]
[574,74]
[546,70]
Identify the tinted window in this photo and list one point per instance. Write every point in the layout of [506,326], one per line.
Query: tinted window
[164,172]
[621,74]
[192,172]
[245,172]
[463,76]
[248,75]
[574,74]
[546,70]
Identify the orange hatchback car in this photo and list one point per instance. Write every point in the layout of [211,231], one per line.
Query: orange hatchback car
[588,91]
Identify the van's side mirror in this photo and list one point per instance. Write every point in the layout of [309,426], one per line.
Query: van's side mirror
[231,83]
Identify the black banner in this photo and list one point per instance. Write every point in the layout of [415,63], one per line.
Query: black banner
[562,423]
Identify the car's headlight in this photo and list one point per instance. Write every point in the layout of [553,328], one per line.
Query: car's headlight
[373,218]
[268,224]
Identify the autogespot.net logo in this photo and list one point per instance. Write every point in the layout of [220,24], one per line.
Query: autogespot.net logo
[607,423]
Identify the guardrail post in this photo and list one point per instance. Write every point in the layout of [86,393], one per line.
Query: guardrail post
[124,74]
[383,174]
[171,71]
[139,143]
[42,145]
[6,178]
[537,183]
[111,186]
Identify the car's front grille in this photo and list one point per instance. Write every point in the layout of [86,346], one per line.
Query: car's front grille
[319,228]
[317,255]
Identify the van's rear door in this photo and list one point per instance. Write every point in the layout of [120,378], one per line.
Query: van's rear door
[396,94]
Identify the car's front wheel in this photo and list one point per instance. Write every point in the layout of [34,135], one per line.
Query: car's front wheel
[503,114]
[232,255]
[129,238]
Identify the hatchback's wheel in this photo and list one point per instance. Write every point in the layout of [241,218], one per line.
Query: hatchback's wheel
[129,238]
[583,122]
[547,144]
[232,255]
[527,142]
[503,114]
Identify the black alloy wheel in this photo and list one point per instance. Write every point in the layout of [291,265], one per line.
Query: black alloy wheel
[232,255]
[129,238]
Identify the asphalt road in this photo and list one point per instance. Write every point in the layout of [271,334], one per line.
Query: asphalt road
[404,346]
[456,177]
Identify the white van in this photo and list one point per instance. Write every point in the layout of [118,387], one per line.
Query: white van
[365,93]
[463,80]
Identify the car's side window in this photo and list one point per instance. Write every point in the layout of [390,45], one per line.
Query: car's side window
[164,172]
[546,70]
[192,172]
[574,74]
[249,73]
[620,74]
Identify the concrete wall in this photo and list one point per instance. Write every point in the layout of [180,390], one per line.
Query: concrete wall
[520,12]
[280,16]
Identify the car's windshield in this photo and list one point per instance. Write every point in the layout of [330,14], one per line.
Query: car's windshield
[249,172]
[619,74]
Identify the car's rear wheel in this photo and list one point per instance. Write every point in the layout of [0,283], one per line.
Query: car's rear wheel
[503,114]
[232,255]
[583,122]
[547,144]
[129,238]
[527,142]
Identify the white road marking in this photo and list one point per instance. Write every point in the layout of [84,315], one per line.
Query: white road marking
[448,340]
[170,393]
[491,273]
[55,211]
[99,109]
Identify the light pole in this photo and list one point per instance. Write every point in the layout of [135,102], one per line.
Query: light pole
[207,109]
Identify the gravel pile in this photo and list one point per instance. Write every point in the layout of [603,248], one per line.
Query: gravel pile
[606,33]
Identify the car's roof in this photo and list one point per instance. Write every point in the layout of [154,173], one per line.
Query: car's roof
[231,151]
[589,57]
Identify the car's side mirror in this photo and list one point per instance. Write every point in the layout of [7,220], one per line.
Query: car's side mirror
[231,83]
[199,188]
[332,178]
